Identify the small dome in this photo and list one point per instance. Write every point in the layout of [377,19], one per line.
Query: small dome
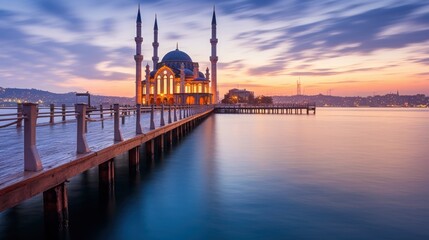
[188,73]
[176,56]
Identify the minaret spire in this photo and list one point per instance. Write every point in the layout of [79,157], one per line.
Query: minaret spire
[214,59]
[155,44]
[138,58]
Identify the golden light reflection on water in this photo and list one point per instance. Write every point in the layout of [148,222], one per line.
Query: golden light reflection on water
[376,152]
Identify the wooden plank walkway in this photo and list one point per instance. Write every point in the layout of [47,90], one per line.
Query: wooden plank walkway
[57,148]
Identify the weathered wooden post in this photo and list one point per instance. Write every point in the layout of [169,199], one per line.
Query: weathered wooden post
[106,176]
[160,142]
[180,112]
[117,131]
[138,115]
[55,206]
[111,109]
[150,149]
[152,122]
[134,158]
[169,114]
[19,115]
[162,122]
[82,145]
[63,112]
[32,160]
[51,113]
[175,114]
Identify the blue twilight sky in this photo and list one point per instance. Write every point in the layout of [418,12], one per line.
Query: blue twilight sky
[354,47]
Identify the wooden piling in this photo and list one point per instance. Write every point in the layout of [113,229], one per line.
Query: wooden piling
[134,158]
[55,206]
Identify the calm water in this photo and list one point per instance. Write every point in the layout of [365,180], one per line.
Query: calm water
[342,174]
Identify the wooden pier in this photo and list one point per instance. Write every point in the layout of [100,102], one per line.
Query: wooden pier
[81,139]
[305,108]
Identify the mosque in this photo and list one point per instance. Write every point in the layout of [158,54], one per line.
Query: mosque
[176,79]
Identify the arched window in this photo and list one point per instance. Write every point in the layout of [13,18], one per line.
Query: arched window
[165,84]
[187,88]
[151,90]
[200,88]
[144,88]
[178,88]
[171,84]
[158,84]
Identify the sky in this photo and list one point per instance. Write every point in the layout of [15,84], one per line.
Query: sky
[343,48]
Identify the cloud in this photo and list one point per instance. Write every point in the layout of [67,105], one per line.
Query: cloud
[331,72]
[62,12]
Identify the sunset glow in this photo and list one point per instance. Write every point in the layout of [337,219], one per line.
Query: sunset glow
[345,48]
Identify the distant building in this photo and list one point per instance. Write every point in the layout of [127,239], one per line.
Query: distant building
[239,96]
[176,79]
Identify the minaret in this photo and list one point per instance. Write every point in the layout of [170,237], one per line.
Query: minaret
[155,45]
[207,74]
[147,84]
[214,58]
[139,58]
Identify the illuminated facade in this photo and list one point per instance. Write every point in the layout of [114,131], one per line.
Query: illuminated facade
[177,79]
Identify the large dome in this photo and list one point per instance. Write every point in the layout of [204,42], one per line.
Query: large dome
[176,56]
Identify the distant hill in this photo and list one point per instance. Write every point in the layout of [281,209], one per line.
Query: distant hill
[11,96]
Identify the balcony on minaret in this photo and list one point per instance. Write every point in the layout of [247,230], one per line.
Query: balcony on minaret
[138,58]
[214,58]
[213,41]
[138,39]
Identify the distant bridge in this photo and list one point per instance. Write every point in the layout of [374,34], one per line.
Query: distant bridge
[292,108]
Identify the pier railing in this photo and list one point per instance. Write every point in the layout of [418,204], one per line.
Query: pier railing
[29,113]
[286,108]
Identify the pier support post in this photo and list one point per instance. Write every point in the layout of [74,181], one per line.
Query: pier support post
[180,112]
[160,142]
[162,122]
[55,206]
[106,172]
[150,149]
[134,158]
[169,139]
[19,115]
[63,112]
[138,116]
[82,145]
[175,114]
[118,135]
[32,160]
[152,122]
